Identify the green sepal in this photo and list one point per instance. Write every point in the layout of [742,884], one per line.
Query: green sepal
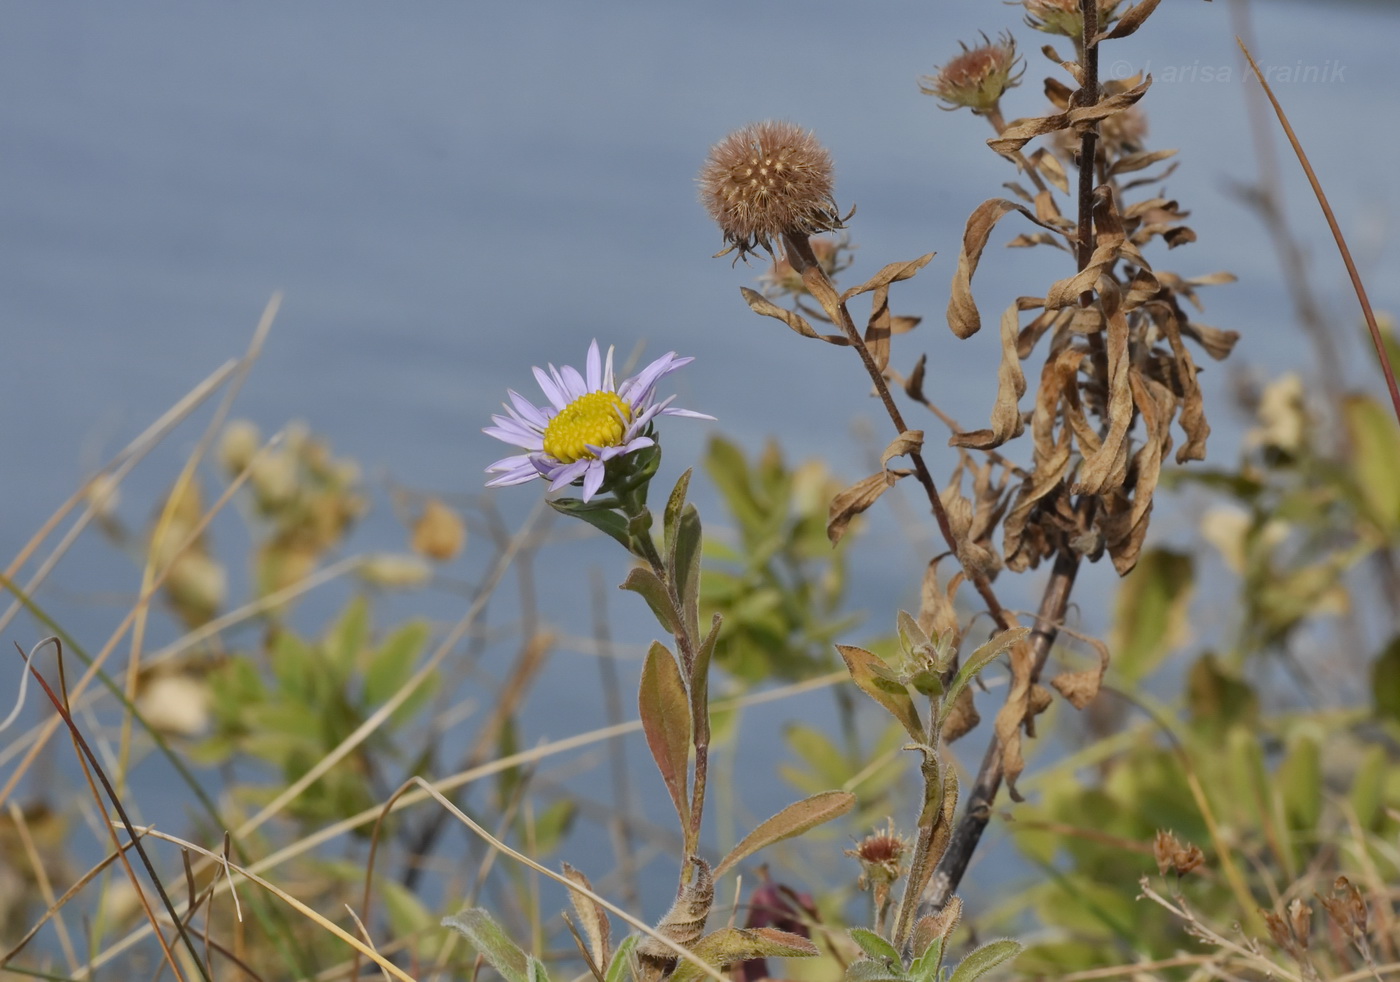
[492,943]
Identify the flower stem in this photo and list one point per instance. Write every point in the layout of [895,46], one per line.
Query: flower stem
[804,261]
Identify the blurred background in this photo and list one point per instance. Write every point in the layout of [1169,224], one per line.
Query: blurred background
[449,194]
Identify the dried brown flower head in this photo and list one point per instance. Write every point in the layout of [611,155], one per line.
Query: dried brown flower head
[881,856]
[1171,853]
[1065,16]
[766,180]
[976,78]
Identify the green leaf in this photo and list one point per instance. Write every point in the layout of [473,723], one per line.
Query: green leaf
[674,505]
[552,824]
[685,567]
[875,946]
[1368,789]
[700,671]
[872,676]
[1299,780]
[665,712]
[1150,617]
[982,960]
[912,639]
[602,519]
[619,969]
[487,937]
[1218,700]
[1385,681]
[982,657]
[537,972]
[392,665]
[873,970]
[349,637]
[793,820]
[729,945]
[646,584]
[1375,458]
[925,967]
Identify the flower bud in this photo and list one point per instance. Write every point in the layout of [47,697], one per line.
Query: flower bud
[976,78]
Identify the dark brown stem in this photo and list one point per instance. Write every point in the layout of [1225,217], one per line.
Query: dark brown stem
[802,259]
[978,810]
[1055,601]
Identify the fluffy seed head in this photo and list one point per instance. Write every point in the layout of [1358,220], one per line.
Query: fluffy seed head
[976,78]
[1065,16]
[765,180]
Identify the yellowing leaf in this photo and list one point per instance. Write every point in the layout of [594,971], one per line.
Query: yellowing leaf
[792,820]
[665,712]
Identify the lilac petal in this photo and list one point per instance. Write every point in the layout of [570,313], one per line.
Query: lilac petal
[568,474]
[528,410]
[511,431]
[552,392]
[638,388]
[687,413]
[608,385]
[574,383]
[515,470]
[593,479]
[593,369]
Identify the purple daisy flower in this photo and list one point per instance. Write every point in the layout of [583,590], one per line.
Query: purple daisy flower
[589,421]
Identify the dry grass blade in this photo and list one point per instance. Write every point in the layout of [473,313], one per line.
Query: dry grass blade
[1386,368]
[287,898]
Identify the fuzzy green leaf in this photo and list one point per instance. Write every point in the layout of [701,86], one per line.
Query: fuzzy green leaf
[982,960]
[487,937]
[649,587]
[981,658]
[609,522]
[872,676]
[685,567]
[729,945]
[665,712]
[875,970]
[925,967]
[875,946]
[793,820]
[675,504]
[619,969]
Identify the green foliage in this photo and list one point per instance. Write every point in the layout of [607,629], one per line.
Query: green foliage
[781,586]
[346,675]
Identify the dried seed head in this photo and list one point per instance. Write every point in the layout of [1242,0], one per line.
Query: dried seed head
[766,180]
[976,78]
[881,856]
[1066,16]
[1171,853]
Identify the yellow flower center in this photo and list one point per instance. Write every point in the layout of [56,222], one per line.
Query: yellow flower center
[598,419]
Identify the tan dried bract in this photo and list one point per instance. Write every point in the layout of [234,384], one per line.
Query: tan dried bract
[768,180]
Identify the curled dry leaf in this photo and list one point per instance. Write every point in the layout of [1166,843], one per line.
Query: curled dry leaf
[760,304]
[1129,21]
[1011,385]
[859,496]
[1022,131]
[963,318]
[593,918]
